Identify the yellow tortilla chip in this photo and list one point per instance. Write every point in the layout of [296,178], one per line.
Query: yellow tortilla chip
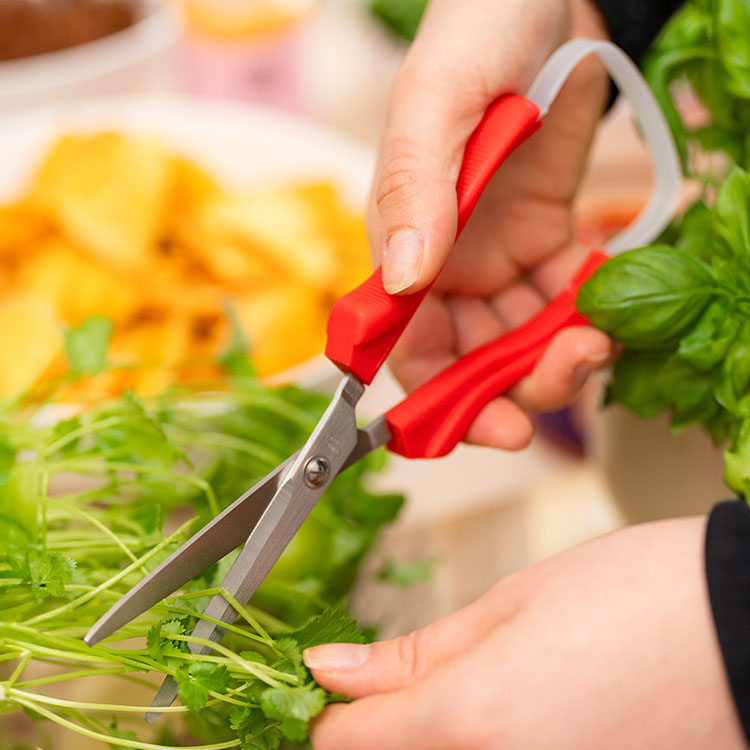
[107,193]
[280,227]
[284,324]
[346,230]
[20,228]
[30,341]
[75,285]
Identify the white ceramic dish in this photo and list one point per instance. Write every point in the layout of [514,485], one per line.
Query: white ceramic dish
[241,144]
[137,59]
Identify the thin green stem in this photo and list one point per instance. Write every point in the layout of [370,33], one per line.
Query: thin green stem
[253,668]
[112,740]
[95,465]
[124,573]
[112,707]
[87,429]
[99,525]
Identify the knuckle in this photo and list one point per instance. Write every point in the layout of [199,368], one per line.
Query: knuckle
[408,653]
[399,181]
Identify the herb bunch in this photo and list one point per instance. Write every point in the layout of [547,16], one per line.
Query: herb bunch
[682,307]
[91,503]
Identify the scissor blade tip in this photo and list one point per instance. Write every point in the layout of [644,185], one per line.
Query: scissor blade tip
[96,633]
[152,716]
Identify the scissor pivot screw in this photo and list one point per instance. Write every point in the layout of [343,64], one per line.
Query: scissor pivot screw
[317,472]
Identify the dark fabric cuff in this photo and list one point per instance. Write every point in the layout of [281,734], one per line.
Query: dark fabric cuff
[728,576]
[634,24]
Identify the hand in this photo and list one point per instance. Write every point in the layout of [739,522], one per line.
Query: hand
[609,645]
[517,250]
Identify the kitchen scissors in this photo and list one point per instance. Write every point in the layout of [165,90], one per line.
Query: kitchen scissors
[363,327]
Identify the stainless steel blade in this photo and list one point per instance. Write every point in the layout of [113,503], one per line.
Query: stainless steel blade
[371,437]
[334,441]
[215,540]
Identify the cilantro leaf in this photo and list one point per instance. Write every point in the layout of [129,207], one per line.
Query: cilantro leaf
[140,435]
[47,572]
[292,658]
[330,626]
[253,656]
[253,729]
[198,681]
[86,345]
[160,647]
[193,694]
[293,707]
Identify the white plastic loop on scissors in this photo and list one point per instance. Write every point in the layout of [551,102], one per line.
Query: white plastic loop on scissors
[657,213]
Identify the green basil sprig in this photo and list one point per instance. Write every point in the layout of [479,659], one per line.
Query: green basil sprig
[683,312]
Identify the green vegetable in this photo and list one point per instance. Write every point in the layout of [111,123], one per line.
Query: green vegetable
[90,504]
[647,298]
[401,17]
[86,345]
[686,324]
[706,44]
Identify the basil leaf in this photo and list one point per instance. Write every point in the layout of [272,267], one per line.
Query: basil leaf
[733,43]
[705,346]
[650,382]
[732,217]
[733,390]
[696,232]
[647,298]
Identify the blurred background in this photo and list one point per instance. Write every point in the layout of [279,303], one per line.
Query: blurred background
[272,109]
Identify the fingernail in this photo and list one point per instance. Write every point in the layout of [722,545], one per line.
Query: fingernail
[402,260]
[590,364]
[336,656]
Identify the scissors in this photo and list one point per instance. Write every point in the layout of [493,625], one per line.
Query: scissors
[363,327]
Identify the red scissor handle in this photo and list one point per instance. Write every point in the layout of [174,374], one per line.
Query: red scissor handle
[365,324]
[434,418]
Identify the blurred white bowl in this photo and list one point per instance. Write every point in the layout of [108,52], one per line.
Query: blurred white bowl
[241,144]
[135,60]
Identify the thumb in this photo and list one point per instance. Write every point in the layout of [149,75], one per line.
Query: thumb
[465,55]
[414,192]
[359,670]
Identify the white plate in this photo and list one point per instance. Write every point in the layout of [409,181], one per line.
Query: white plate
[241,144]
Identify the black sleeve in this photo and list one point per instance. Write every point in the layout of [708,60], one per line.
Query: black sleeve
[634,24]
[728,576]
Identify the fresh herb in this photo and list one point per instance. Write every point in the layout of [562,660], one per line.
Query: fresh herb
[86,345]
[686,323]
[400,17]
[706,45]
[682,308]
[90,503]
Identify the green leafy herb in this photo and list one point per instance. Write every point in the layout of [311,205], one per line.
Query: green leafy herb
[199,680]
[86,345]
[688,336]
[293,707]
[330,626]
[647,298]
[90,504]
[401,17]
[235,358]
[706,45]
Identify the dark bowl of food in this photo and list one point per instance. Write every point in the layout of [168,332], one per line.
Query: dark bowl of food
[51,50]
